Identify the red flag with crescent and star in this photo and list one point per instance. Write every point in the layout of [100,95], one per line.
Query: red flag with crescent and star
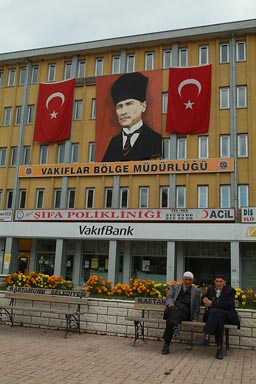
[54,111]
[189,100]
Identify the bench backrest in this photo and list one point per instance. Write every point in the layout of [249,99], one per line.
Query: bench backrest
[149,304]
[46,298]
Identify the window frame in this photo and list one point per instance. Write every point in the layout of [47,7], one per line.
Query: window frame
[51,72]
[144,197]
[108,196]
[149,60]
[39,198]
[202,50]
[81,68]
[240,194]
[78,109]
[74,153]
[116,64]
[164,190]
[61,154]
[240,145]
[34,74]
[92,148]
[164,102]
[181,141]
[99,62]
[3,156]
[57,198]
[167,58]
[225,195]
[202,196]
[122,192]
[7,116]
[225,148]
[241,96]
[222,45]
[88,197]
[203,147]
[11,77]
[165,149]
[130,63]
[22,198]
[71,198]
[240,57]
[14,157]
[226,91]
[183,58]
[43,156]
[180,198]
[68,70]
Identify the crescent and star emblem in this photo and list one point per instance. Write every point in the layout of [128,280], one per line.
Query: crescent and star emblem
[51,97]
[189,104]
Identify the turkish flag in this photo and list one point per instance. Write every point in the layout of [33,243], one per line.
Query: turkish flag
[54,111]
[189,99]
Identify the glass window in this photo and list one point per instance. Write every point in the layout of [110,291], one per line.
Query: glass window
[202,192]
[149,61]
[81,68]
[23,74]
[165,149]
[224,98]
[71,197]
[181,148]
[243,196]
[78,110]
[116,61]
[130,63]
[11,77]
[167,58]
[108,197]
[74,153]
[240,51]
[241,97]
[242,141]
[1,78]
[164,197]
[3,152]
[51,72]
[90,197]
[164,102]
[57,198]
[34,74]
[39,198]
[68,71]
[225,146]
[225,196]
[180,197]
[9,199]
[144,197]
[7,116]
[14,159]
[43,154]
[93,109]
[22,198]
[26,155]
[203,55]
[61,153]
[91,152]
[31,114]
[18,116]
[99,67]
[203,147]
[224,53]
[123,197]
[183,57]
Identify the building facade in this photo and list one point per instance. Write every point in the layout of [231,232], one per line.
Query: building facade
[65,212]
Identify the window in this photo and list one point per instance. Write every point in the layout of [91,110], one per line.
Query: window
[81,68]
[164,102]
[89,197]
[108,197]
[7,116]
[144,197]
[225,196]
[68,71]
[26,155]
[225,146]
[243,196]
[74,153]
[130,63]
[180,197]
[224,53]
[34,75]
[181,148]
[71,198]
[57,198]
[116,61]
[9,199]
[39,198]
[91,152]
[167,58]
[3,152]
[224,98]
[61,153]
[99,67]
[203,55]
[18,116]
[51,72]
[123,198]
[11,77]
[22,198]
[23,75]
[93,109]
[78,110]
[149,61]
[164,197]
[43,154]
[203,147]
[165,149]
[240,51]
[202,193]
[1,78]
[14,158]
[241,97]
[31,114]
[183,57]
[242,144]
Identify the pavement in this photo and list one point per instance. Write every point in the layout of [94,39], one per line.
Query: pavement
[38,356]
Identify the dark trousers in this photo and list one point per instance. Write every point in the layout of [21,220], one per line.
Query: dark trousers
[173,317]
[216,318]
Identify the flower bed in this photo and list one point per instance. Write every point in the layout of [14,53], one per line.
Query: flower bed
[38,280]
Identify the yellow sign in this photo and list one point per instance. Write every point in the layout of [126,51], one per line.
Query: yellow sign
[251,232]
[129,168]
[7,258]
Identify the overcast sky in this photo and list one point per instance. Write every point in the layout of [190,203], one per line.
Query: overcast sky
[28,24]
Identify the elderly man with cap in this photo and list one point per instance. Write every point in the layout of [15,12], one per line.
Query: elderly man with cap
[219,302]
[136,141]
[182,304]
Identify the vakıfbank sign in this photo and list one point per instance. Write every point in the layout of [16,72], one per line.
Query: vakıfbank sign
[128,168]
[170,214]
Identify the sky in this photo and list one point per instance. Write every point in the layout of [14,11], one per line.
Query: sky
[30,24]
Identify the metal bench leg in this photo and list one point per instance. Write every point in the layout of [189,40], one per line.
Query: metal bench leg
[5,312]
[227,340]
[72,320]
[138,330]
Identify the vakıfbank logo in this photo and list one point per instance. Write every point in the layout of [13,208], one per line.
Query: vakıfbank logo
[251,232]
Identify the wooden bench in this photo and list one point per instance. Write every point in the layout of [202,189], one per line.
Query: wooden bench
[35,300]
[147,305]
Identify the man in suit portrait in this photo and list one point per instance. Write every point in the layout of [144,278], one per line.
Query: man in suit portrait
[136,141]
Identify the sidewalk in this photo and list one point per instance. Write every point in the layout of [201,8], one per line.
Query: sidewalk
[32,356]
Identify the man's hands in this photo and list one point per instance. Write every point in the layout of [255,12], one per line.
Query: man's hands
[207,302]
